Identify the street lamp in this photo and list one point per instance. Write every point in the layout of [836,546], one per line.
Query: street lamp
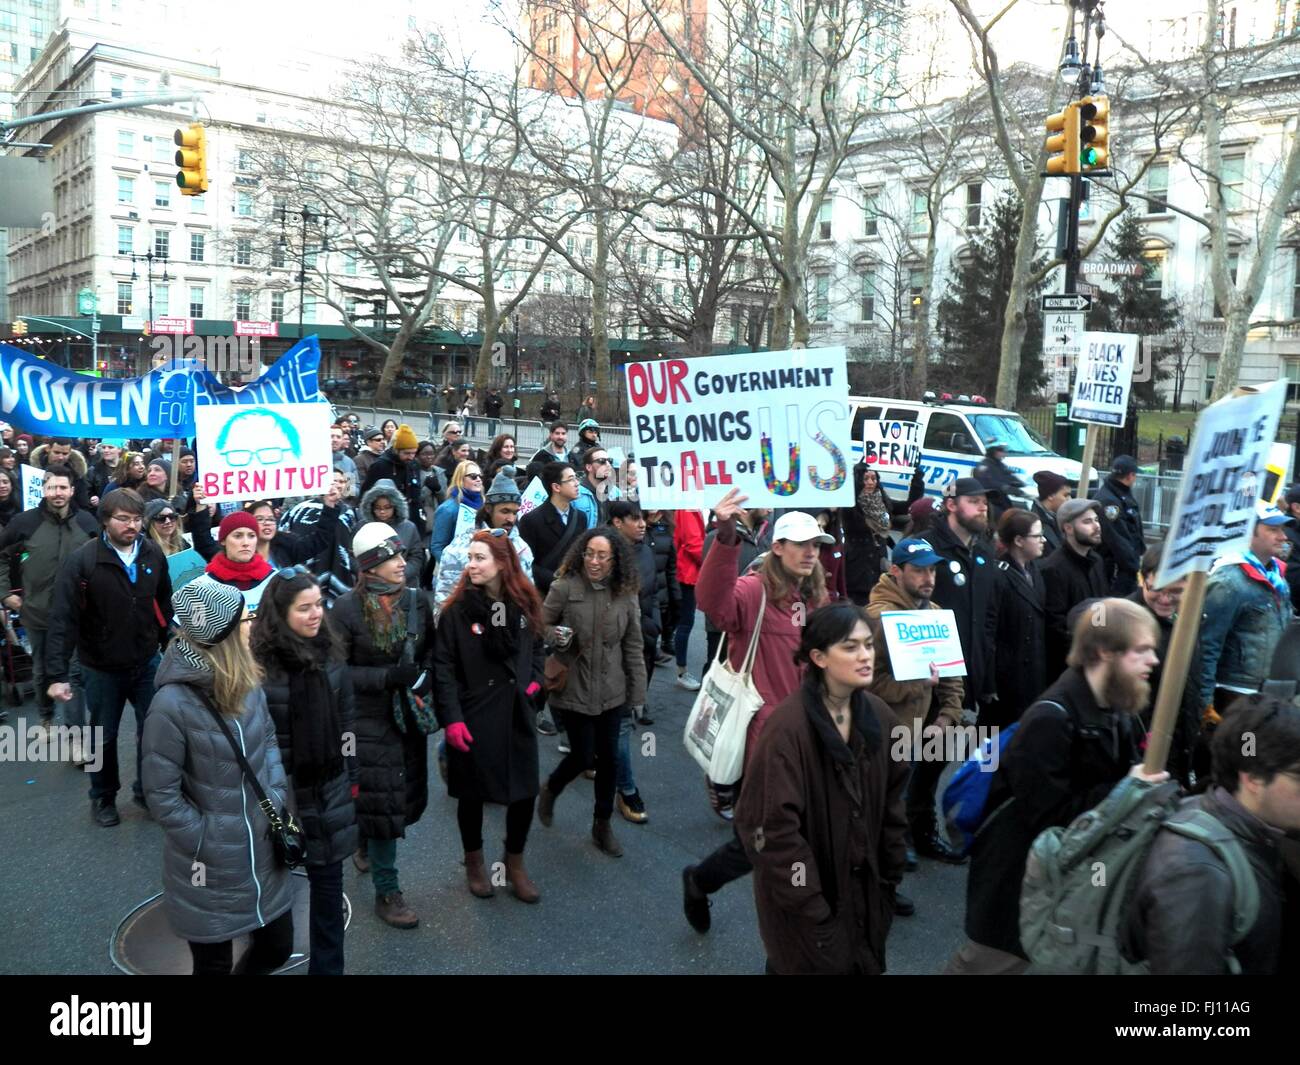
[149,258]
[309,217]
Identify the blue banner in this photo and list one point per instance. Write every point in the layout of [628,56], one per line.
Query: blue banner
[40,398]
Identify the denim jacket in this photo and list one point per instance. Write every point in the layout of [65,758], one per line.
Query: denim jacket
[1244,619]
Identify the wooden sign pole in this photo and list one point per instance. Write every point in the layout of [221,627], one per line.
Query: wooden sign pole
[1176,672]
[176,468]
[1085,464]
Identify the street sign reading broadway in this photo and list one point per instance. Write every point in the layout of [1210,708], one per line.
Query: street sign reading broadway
[1122,268]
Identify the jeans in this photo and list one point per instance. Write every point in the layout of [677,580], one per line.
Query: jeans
[272,945]
[106,698]
[685,622]
[593,740]
[519,818]
[72,713]
[624,780]
[729,862]
[383,865]
[326,922]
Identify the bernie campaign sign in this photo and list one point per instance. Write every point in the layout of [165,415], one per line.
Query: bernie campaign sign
[38,396]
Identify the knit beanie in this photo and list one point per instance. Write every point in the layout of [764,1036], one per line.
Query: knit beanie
[404,438]
[504,489]
[155,507]
[373,543]
[240,519]
[207,611]
[1049,483]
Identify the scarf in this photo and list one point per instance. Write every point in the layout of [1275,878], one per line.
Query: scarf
[468,498]
[874,510]
[1272,573]
[500,642]
[314,720]
[386,624]
[241,575]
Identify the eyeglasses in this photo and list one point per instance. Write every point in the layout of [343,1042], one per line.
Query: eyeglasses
[1035,536]
[600,462]
[266,521]
[568,480]
[452,432]
[591,556]
[165,519]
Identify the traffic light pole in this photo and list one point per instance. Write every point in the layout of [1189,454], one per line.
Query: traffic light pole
[88,109]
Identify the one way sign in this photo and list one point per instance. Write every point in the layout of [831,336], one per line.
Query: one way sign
[1071,302]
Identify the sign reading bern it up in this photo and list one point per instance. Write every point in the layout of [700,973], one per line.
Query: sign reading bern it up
[773,425]
[264,451]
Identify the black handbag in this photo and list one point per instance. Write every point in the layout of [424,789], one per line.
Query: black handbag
[286,835]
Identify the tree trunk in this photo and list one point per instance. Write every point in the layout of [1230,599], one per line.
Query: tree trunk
[392,363]
[600,310]
[1015,324]
[483,366]
[921,338]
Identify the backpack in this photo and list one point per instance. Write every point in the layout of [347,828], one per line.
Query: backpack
[965,798]
[1069,923]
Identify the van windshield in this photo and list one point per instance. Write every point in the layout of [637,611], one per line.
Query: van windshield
[1019,438]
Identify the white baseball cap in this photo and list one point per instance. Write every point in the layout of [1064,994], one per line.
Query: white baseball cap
[800,527]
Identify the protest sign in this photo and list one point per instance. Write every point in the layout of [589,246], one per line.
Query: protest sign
[891,446]
[266,451]
[533,496]
[918,637]
[185,566]
[45,398]
[465,516]
[773,425]
[33,489]
[1104,378]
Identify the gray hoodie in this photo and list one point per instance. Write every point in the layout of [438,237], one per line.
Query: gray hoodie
[412,544]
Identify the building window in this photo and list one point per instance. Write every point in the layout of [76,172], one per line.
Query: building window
[243,305]
[126,242]
[126,143]
[915,285]
[1158,188]
[547,280]
[277,306]
[821,298]
[778,211]
[196,301]
[1234,257]
[162,194]
[118,83]
[198,204]
[1212,372]
[197,242]
[162,243]
[349,264]
[586,248]
[871,212]
[974,200]
[824,219]
[1154,280]
[1295,300]
[1234,177]
[163,149]
[244,251]
[125,298]
[309,308]
[868,295]
[126,190]
[920,213]
[1293,381]
[244,205]
[162,301]
[244,161]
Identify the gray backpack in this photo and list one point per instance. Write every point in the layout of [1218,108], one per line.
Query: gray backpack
[1079,880]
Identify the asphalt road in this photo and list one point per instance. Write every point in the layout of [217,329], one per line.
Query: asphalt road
[66,884]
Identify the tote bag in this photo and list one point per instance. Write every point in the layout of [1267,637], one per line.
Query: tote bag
[719,721]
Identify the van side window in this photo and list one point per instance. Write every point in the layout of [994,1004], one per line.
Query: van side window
[860,418]
[900,414]
[947,432]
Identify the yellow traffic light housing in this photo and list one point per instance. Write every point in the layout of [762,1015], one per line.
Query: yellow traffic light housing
[192,158]
[1094,133]
[1064,142]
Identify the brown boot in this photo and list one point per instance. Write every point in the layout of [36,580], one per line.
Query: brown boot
[517,877]
[604,837]
[361,860]
[392,910]
[476,873]
[545,805]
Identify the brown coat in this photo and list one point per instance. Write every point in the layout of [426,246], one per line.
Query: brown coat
[824,825]
[908,699]
[604,672]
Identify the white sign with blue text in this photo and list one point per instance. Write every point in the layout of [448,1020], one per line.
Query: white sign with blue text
[917,638]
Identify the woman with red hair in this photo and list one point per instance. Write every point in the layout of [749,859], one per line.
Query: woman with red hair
[488,663]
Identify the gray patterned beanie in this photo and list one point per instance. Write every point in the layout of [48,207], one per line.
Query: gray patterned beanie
[206,611]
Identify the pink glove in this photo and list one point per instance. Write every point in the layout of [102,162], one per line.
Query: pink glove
[532,690]
[458,736]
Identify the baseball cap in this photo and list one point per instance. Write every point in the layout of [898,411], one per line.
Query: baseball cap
[1124,465]
[799,527]
[1267,514]
[964,486]
[915,552]
[1072,508]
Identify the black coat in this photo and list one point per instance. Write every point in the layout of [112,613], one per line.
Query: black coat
[550,411]
[1069,579]
[1050,529]
[1292,530]
[1022,644]
[660,538]
[1059,764]
[647,592]
[550,538]
[482,685]
[326,810]
[393,765]
[408,476]
[973,600]
[1122,542]
[492,405]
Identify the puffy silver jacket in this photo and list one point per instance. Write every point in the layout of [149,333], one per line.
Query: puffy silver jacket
[220,874]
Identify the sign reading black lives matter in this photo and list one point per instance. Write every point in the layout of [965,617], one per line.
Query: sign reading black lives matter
[1224,474]
[774,425]
[1104,377]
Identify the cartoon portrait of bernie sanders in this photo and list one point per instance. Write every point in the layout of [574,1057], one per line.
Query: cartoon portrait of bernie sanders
[258,437]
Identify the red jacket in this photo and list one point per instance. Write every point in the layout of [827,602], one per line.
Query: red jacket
[688,539]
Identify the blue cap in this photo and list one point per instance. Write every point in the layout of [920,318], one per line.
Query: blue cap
[1267,514]
[915,552]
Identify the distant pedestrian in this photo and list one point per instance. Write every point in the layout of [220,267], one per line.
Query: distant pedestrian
[1122,542]
[1053,490]
[866,533]
[688,538]
[1072,573]
[1021,669]
[550,409]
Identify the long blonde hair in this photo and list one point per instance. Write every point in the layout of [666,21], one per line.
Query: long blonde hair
[170,545]
[458,475]
[235,672]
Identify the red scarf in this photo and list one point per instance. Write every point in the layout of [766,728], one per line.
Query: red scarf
[242,575]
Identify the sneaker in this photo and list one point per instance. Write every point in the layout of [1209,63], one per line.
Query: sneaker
[645,720]
[545,726]
[590,774]
[694,901]
[632,808]
[664,658]
[563,745]
[685,680]
[361,860]
[722,798]
[104,813]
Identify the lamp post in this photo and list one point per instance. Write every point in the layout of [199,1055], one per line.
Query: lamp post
[308,217]
[149,258]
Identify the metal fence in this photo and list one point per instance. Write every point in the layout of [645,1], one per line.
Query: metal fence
[1155,495]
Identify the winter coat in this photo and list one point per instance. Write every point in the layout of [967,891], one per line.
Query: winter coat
[753,542]
[1050,529]
[412,543]
[596,510]
[605,656]
[33,547]
[660,538]
[337,559]
[688,538]
[1244,619]
[1022,643]
[1180,920]
[454,556]
[287,548]
[1187,725]
[393,765]
[550,537]
[833,563]
[909,700]
[538,462]
[1292,530]
[76,462]
[973,600]
[364,458]
[1122,542]
[325,810]
[492,405]
[406,477]
[550,411]
[1069,579]
[481,685]
[221,877]
[445,520]
[647,593]
[1060,763]
[98,477]
[835,811]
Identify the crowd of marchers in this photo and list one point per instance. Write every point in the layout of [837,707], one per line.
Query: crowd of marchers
[336,648]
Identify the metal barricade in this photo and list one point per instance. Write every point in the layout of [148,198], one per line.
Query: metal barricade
[1155,495]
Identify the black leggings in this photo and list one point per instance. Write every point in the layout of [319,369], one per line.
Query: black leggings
[271,948]
[593,740]
[519,817]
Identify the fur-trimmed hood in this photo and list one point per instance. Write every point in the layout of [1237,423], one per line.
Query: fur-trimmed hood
[383,489]
[76,460]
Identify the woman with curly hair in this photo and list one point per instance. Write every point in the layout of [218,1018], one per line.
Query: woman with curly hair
[593,618]
[130,472]
[487,662]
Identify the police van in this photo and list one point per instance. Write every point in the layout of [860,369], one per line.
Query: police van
[948,438]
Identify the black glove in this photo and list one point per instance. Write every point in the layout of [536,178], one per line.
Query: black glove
[403,676]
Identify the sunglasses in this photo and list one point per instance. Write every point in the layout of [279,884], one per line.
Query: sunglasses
[289,572]
[473,477]
[165,519]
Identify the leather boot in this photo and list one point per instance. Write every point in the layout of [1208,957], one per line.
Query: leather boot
[392,910]
[604,837]
[545,805]
[476,874]
[517,877]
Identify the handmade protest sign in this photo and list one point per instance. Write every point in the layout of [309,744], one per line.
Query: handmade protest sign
[891,446]
[185,566]
[33,486]
[533,496]
[265,451]
[1104,378]
[918,637]
[774,425]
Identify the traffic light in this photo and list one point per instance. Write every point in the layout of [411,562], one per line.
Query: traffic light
[1094,133]
[1064,128]
[191,157]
